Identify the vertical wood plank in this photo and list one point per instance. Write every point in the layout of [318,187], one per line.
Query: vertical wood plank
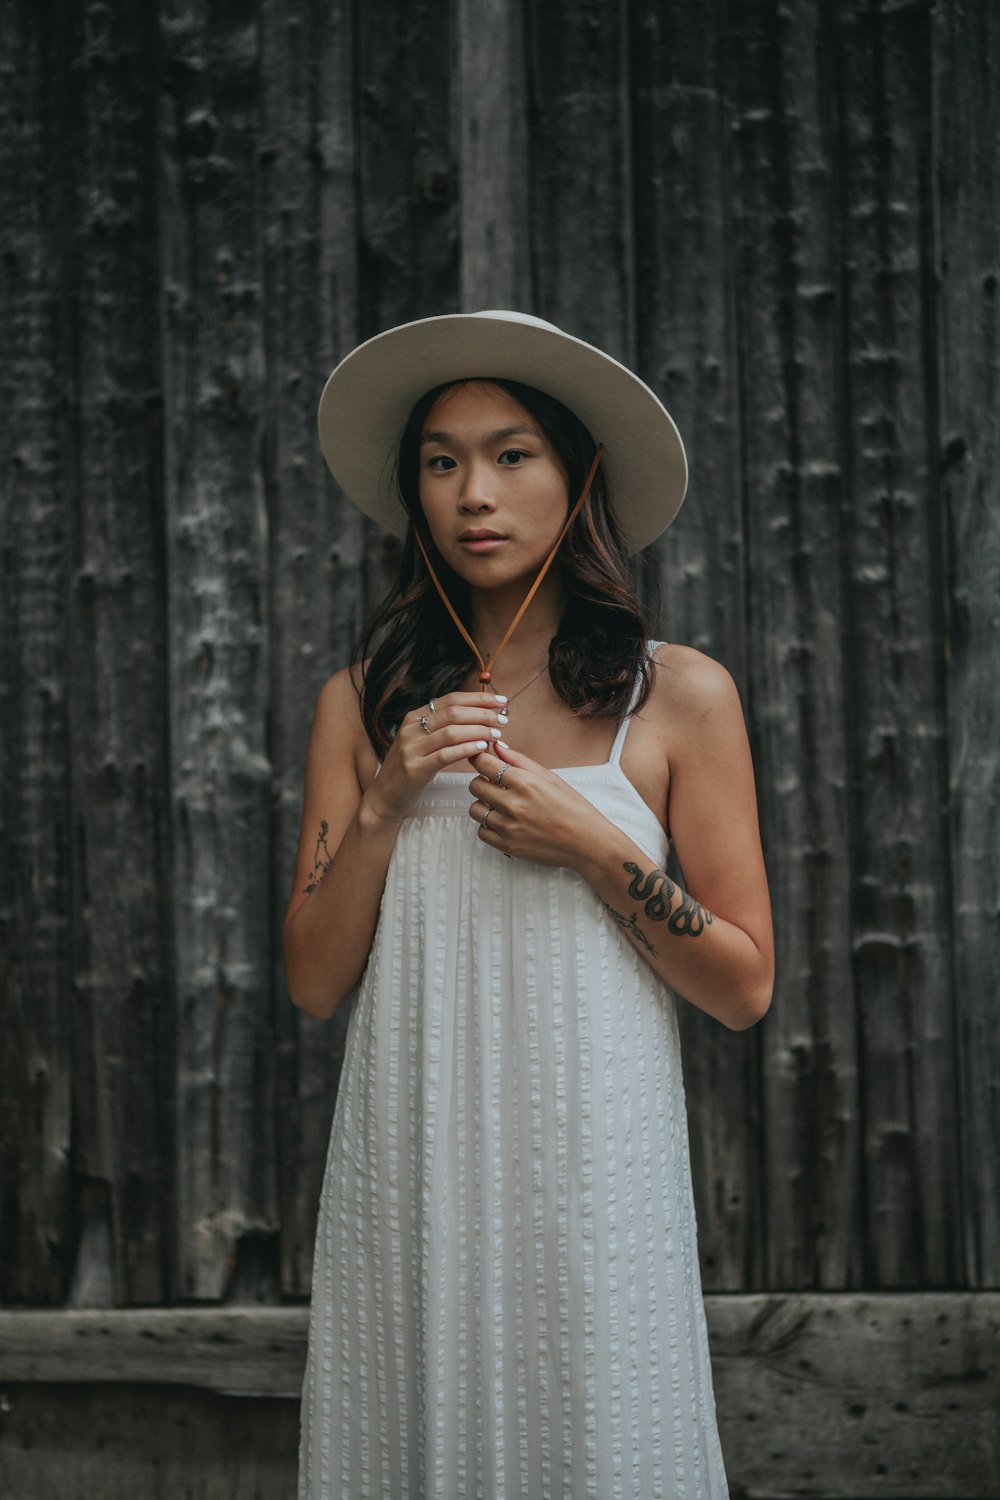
[790,356]
[491,133]
[36,496]
[316,537]
[581,196]
[407,175]
[686,350]
[219,662]
[407,162]
[117,688]
[901,902]
[967,112]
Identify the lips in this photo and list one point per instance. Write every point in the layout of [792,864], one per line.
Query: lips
[481,540]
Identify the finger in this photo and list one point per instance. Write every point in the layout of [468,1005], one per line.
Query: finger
[494,828]
[451,753]
[488,718]
[487,764]
[452,734]
[473,700]
[516,758]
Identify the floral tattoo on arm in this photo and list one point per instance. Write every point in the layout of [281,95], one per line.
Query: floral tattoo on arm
[657,891]
[322,859]
[631,925]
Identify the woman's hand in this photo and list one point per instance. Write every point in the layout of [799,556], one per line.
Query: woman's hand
[458,727]
[533,813]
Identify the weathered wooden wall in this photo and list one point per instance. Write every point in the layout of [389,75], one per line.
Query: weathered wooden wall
[785,215]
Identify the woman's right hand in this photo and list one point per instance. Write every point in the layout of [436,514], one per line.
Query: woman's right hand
[461,726]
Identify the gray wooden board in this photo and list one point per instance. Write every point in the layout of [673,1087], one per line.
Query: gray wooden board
[900,920]
[697,573]
[851,1395]
[967,112]
[219,642]
[492,145]
[581,243]
[36,814]
[122,991]
[120,1442]
[808,1132]
[785,216]
[316,539]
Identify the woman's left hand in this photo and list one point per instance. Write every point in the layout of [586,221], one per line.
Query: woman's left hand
[533,813]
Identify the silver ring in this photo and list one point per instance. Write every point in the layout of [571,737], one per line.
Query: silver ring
[425,724]
[485,820]
[499,776]
[430,705]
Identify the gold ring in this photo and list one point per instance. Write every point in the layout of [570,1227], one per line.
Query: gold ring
[499,776]
[425,724]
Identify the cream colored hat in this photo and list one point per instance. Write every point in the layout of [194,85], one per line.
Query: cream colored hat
[370,394]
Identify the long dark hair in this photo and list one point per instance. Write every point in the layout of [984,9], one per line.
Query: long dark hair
[600,643]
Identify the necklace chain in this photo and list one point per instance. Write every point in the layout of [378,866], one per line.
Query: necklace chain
[527,684]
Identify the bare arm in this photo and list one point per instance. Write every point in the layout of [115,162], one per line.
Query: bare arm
[712,942]
[347,834]
[340,867]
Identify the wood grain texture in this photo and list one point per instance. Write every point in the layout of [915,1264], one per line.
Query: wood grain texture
[123,1028]
[783,216]
[407,178]
[890,1396]
[696,574]
[219,647]
[316,538]
[122,1442]
[900,920]
[492,144]
[36,914]
[582,256]
[967,112]
[787,303]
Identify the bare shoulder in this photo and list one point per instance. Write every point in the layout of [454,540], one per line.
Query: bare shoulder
[688,685]
[338,728]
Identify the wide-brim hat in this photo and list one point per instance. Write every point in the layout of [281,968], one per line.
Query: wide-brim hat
[369,396]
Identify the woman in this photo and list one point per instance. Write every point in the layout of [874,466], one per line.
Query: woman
[506,1297]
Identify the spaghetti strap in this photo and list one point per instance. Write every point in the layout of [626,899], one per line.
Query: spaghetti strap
[616,748]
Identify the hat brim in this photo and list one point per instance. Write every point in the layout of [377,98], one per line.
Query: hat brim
[366,402]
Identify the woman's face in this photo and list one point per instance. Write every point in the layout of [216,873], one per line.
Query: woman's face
[492,487]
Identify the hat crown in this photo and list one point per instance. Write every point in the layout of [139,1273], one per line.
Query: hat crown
[368,398]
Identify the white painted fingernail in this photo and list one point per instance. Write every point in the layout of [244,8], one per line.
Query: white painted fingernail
[500,697]
[502,719]
[504,743]
[482,744]
[495,733]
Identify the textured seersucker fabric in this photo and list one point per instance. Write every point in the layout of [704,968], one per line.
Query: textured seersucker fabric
[506,1299]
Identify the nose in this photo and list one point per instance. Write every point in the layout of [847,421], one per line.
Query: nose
[476,495]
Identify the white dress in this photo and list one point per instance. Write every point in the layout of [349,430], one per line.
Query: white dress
[506,1299]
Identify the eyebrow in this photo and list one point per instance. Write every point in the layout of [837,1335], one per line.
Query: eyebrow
[489,438]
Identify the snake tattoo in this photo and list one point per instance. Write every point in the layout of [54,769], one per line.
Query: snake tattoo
[657,890]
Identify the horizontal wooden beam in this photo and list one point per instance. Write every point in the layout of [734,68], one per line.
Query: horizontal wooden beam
[835,1394]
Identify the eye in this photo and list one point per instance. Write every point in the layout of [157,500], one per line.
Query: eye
[439,458]
[517,452]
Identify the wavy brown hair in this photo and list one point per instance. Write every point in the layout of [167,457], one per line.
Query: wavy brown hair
[600,643]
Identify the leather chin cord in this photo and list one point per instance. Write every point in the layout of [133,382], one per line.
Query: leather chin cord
[485,675]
